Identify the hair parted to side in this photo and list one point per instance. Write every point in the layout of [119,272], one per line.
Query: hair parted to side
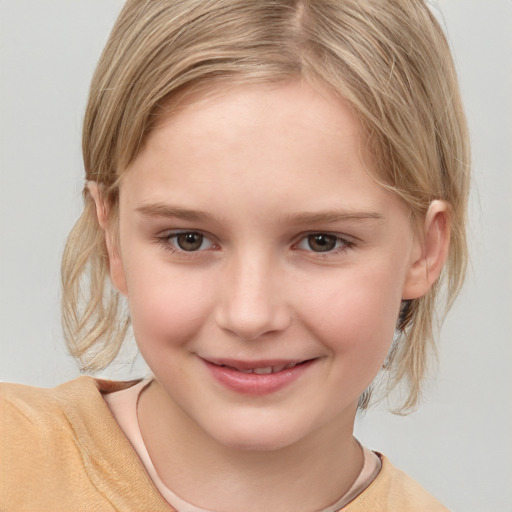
[388,58]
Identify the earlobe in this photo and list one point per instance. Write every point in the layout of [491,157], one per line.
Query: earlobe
[116,268]
[432,252]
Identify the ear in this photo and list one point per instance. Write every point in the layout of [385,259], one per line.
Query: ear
[431,252]
[116,267]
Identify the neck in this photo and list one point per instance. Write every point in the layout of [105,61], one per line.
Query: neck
[308,475]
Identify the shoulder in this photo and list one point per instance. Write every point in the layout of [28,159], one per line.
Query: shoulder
[34,397]
[77,400]
[44,413]
[394,491]
[39,418]
[28,408]
[63,443]
[42,430]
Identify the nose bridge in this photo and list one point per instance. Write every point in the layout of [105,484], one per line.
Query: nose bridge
[252,302]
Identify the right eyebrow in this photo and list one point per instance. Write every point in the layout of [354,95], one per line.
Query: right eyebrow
[167,210]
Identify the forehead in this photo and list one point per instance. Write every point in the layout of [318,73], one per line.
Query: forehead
[221,116]
[283,141]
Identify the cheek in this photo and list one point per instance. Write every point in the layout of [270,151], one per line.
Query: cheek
[358,314]
[357,331]
[167,307]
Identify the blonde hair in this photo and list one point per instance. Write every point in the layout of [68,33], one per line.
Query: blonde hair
[388,58]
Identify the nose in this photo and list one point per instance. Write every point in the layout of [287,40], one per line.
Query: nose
[253,299]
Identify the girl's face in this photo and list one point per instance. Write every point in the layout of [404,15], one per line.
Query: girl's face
[263,265]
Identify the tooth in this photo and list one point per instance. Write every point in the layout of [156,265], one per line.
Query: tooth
[291,365]
[276,369]
[262,371]
[246,371]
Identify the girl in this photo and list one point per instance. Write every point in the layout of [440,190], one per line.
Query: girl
[275,187]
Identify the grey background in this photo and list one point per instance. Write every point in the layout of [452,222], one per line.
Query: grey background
[458,445]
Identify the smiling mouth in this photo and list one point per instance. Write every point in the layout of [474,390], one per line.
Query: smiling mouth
[257,377]
[265,370]
[258,367]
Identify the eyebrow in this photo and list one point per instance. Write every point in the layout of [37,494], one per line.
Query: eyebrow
[328,216]
[336,215]
[164,210]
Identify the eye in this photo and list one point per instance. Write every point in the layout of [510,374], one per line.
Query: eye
[322,242]
[189,241]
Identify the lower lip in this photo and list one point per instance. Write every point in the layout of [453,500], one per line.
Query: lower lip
[256,384]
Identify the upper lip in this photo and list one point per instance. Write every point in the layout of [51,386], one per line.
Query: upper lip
[249,365]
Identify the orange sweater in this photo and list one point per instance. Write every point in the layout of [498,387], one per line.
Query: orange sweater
[61,450]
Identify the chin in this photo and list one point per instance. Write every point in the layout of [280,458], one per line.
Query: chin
[257,437]
[257,443]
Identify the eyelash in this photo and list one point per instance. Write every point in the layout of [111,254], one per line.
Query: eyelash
[342,244]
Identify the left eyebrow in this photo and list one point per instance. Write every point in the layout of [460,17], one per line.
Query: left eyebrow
[331,216]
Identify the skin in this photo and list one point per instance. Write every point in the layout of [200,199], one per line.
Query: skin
[257,171]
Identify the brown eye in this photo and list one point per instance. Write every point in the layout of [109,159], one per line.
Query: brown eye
[322,242]
[189,241]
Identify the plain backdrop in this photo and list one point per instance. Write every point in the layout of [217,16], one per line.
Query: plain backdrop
[458,445]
